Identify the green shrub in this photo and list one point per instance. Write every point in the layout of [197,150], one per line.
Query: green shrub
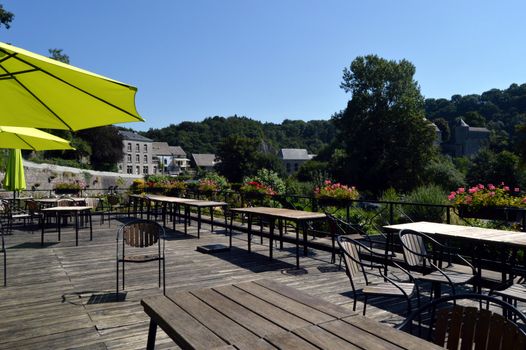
[431,194]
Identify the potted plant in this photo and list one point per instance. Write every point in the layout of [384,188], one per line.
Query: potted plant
[488,202]
[256,190]
[61,188]
[175,188]
[335,194]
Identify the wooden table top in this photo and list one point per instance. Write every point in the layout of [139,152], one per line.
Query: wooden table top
[282,213]
[202,203]
[265,314]
[465,232]
[169,199]
[69,208]
[54,200]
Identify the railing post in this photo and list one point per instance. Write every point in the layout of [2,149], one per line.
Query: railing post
[391,213]
[448,215]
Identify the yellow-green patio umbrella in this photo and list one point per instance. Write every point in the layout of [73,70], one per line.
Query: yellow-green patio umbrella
[30,138]
[14,179]
[36,91]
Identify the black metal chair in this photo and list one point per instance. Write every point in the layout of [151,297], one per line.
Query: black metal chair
[141,236]
[453,326]
[352,251]
[429,262]
[339,227]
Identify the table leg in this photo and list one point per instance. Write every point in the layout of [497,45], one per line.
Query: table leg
[271,240]
[249,224]
[280,223]
[198,222]
[305,247]
[58,226]
[297,245]
[76,228]
[90,226]
[164,213]
[174,212]
[152,331]
[186,218]
[388,239]
[231,227]
[211,219]
[42,225]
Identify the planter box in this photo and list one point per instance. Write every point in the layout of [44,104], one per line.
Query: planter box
[332,202]
[66,191]
[491,213]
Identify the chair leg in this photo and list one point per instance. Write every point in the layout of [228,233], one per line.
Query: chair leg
[117,284]
[364,304]
[164,276]
[123,262]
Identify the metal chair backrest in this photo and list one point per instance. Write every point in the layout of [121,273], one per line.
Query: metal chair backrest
[141,233]
[455,326]
[351,256]
[65,202]
[414,247]
[32,207]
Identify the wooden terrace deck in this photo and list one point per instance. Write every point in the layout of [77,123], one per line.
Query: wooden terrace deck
[61,296]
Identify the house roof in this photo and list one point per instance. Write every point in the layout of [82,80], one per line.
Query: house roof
[133,136]
[204,159]
[294,154]
[177,151]
[163,149]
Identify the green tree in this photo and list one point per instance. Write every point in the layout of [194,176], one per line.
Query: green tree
[58,55]
[106,147]
[387,139]
[6,17]
[238,156]
[443,125]
[490,167]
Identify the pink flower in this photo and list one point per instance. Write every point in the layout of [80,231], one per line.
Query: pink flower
[481,186]
[451,196]
[491,187]
[492,194]
[506,188]
[516,189]
[473,190]
[461,190]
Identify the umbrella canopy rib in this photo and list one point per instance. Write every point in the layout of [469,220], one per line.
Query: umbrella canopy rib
[76,87]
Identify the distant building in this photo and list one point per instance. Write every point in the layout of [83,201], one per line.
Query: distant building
[204,161]
[466,140]
[293,158]
[138,158]
[171,159]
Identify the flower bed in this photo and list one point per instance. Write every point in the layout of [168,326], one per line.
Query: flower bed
[488,202]
[335,194]
[256,190]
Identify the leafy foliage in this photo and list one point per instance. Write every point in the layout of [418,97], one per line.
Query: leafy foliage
[387,139]
[429,194]
[268,178]
[6,17]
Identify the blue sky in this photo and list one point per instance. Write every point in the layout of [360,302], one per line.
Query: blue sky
[272,59]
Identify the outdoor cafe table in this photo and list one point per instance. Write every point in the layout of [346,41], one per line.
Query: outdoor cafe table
[265,314]
[51,201]
[199,205]
[476,236]
[299,217]
[58,212]
[175,202]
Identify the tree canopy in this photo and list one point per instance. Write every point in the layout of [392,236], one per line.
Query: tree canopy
[387,140]
[6,17]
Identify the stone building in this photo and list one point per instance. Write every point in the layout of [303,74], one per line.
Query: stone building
[293,158]
[138,159]
[466,140]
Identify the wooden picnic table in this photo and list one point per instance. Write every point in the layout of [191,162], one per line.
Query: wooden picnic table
[476,236]
[174,203]
[265,314]
[59,212]
[300,217]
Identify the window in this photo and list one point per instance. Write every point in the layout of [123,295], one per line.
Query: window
[155,169]
[129,159]
[137,158]
[129,169]
[145,147]
[145,158]
[165,161]
[296,166]
[137,170]
[145,170]
[137,147]
[288,167]
[129,146]
[120,167]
